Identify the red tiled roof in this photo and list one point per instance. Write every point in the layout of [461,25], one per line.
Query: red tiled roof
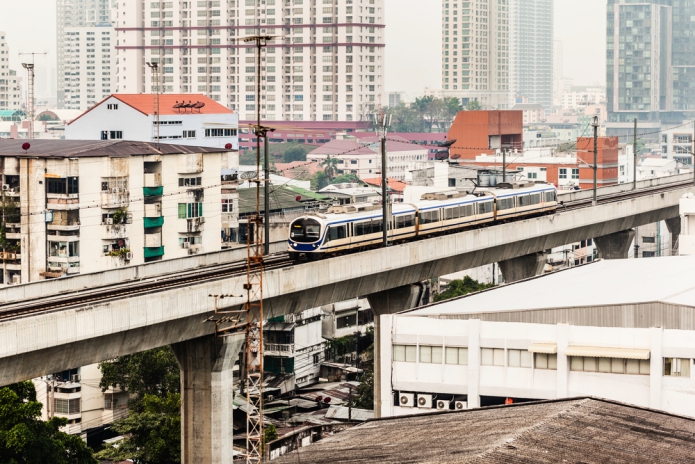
[144,103]
[395,185]
[339,147]
[298,169]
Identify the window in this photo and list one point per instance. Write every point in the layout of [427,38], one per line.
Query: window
[563,173]
[227,205]
[492,357]
[405,353]
[190,181]
[545,361]
[519,358]
[609,365]
[317,358]
[677,367]
[404,221]
[220,132]
[66,407]
[190,210]
[550,196]
[505,203]
[431,354]
[189,134]
[456,355]
[485,207]
[648,239]
[575,173]
[336,233]
[112,106]
[648,254]
[428,217]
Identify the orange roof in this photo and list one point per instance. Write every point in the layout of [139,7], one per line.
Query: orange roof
[395,185]
[144,103]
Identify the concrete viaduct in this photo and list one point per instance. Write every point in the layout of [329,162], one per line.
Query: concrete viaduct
[98,329]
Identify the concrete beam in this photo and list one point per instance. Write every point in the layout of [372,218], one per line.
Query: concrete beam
[206,397]
[390,301]
[674,226]
[523,267]
[615,246]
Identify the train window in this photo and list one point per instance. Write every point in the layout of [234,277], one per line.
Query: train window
[428,217]
[363,228]
[452,213]
[505,203]
[468,210]
[305,230]
[407,220]
[524,200]
[485,207]
[535,198]
[336,233]
[550,197]
[376,225]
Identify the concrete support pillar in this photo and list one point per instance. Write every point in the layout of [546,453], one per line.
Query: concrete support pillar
[615,246]
[473,363]
[206,397]
[389,302]
[656,334]
[674,226]
[522,267]
[563,368]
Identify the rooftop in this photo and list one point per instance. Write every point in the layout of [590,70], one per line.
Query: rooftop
[576,430]
[57,148]
[608,283]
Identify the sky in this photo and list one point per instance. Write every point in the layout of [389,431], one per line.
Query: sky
[413,39]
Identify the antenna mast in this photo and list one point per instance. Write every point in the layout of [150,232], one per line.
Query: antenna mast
[154,66]
[30,92]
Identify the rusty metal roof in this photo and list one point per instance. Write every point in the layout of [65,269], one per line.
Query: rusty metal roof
[575,430]
[94,148]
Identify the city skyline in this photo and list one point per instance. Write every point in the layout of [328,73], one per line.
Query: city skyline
[579,25]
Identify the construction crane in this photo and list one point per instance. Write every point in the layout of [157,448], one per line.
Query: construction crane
[30,97]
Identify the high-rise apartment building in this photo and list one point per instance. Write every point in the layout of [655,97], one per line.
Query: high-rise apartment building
[10,92]
[650,64]
[558,72]
[326,64]
[475,51]
[531,51]
[85,52]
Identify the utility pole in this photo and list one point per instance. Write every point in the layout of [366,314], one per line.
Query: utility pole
[692,152]
[381,125]
[30,93]
[154,66]
[595,125]
[634,163]
[504,165]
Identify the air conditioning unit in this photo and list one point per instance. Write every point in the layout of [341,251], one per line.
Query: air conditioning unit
[443,405]
[16,279]
[185,245]
[202,220]
[128,256]
[459,405]
[406,400]
[424,401]
[75,378]
[5,187]
[109,221]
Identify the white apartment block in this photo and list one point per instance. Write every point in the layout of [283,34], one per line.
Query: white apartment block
[327,63]
[85,206]
[579,97]
[199,122]
[475,52]
[10,91]
[85,52]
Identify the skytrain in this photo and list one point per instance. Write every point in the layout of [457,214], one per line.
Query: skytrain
[355,227]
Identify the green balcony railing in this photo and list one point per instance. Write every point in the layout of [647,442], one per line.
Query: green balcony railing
[154,222]
[152,252]
[152,191]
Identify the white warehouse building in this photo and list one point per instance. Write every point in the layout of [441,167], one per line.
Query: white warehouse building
[599,330]
[184,119]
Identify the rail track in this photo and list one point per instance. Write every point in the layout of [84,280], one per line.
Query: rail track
[182,279]
[134,288]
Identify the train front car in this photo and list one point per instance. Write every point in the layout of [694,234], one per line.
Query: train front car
[306,236]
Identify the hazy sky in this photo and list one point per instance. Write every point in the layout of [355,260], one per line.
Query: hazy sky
[413,36]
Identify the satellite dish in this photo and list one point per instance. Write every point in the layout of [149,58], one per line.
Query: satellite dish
[248,175]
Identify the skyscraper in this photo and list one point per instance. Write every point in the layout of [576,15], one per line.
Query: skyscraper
[650,62]
[84,52]
[531,50]
[475,51]
[326,64]
[10,91]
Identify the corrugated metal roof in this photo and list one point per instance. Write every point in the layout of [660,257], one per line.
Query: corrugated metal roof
[576,430]
[94,148]
[344,413]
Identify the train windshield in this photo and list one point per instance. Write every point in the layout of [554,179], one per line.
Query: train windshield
[305,230]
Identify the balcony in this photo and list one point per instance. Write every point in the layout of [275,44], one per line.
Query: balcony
[190,225]
[153,179]
[114,231]
[115,198]
[153,222]
[152,191]
[153,252]
[153,210]
[62,202]
[153,240]
[276,349]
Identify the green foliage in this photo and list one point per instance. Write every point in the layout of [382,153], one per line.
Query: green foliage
[319,181]
[9,214]
[154,372]
[473,105]
[120,216]
[152,436]
[461,287]
[364,396]
[294,152]
[270,433]
[25,438]
[330,166]
[120,253]
[347,178]
[424,114]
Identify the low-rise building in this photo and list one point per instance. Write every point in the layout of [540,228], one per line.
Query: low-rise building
[623,337]
[184,119]
[533,112]
[351,193]
[84,206]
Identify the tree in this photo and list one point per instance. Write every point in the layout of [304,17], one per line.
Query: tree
[364,396]
[347,178]
[25,438]
[460,287]
[294,152]
[473,105]
[319,181]
[154,372]
[330,166]
[152,436]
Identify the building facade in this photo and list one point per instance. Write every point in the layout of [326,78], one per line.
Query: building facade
[85,52]
[531,50]
[84,206]
[10,91]
[328,64]
[475,52]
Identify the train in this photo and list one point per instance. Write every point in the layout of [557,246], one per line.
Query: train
[356,227]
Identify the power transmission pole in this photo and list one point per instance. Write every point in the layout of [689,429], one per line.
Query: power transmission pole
[595,125]
[30,93]
[381,124]
[154,66]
